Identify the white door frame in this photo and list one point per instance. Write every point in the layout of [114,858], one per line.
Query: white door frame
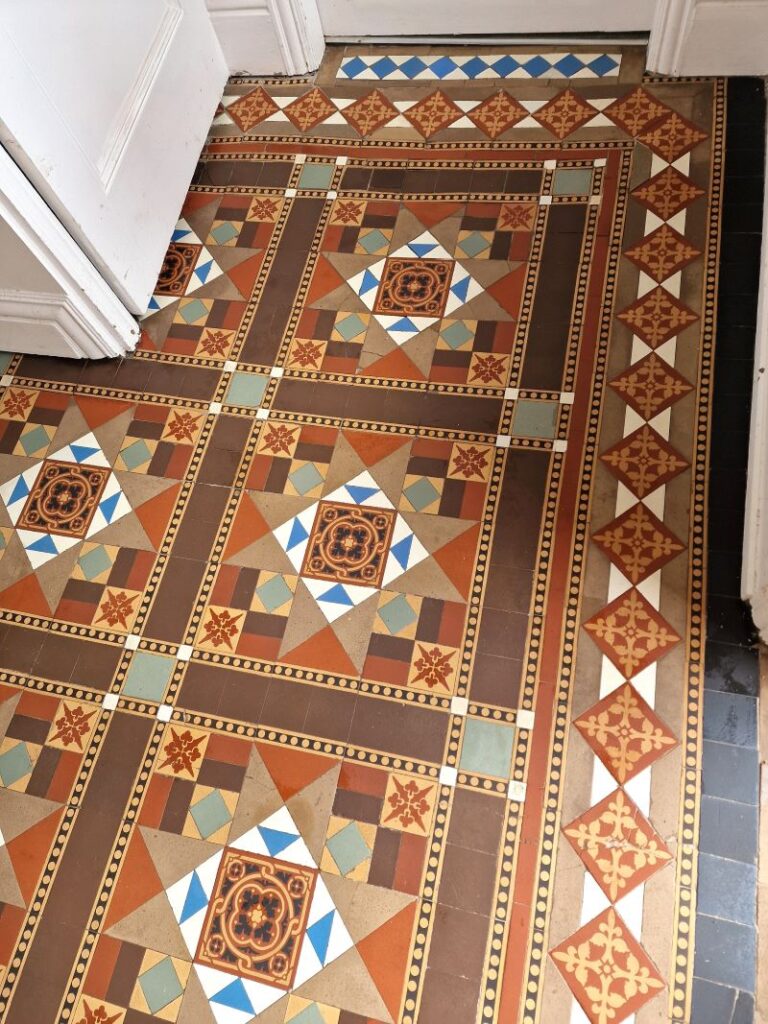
[83,313]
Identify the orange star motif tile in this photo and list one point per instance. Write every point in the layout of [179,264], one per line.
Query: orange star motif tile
[497,113]
[638,543]
[672,137]
[607,970]
[251,109]
[618,844]
[657,316]
[181,751]
[651,386]
[662,253]
[631,632]
[370,112]
[635,111]
[667,193]
[644,461]
[408,804]
[433,113]
[565,113]
[625,733]
[309,110]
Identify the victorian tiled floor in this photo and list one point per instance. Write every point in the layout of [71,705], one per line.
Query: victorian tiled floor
[352,630]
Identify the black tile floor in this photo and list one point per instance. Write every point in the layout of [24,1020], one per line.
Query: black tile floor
[726,936]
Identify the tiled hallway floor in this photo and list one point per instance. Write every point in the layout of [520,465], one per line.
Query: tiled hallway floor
[352,631]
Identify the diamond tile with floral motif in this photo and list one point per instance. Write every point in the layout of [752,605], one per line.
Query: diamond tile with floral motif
[650,386]
[638,543]
[631,632]
[657,316]
[662,253]
[643,461]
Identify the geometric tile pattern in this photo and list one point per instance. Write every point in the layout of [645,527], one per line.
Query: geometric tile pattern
[413,67]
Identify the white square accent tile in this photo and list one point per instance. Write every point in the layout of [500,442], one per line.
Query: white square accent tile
[545,200]
[6,379]
[299,158]
[131,642]
[550,165]
[214,407]
[516,791]
[511,394]
[290,193]
[595,200]
[559,445]
[332,194]
[164,712]
[448,775]
[184,652]
[567,398]
[109,701]
[503,440]
[262,414]
[524,719]
[229,366]
[341,161]
[600,162]
[459,705]
[276,371]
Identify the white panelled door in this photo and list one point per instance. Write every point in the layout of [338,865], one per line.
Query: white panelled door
[352,18]
[105,105]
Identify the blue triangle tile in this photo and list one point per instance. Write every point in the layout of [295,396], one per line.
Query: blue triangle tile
[196,899]
[369,281]
[153,304]
[298,534]
[337,595]
[405,324]
[20,491]
[179,233]
[204,270]
[421,248]
[234,996]
[276,841]
[45,545]
[402,550]
[81,453]
[461,289]
[109,506]
[359,494]
[319,934]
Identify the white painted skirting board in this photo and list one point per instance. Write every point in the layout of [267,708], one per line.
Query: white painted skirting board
[268,37]
[754,571]
[75,313]
[709,37]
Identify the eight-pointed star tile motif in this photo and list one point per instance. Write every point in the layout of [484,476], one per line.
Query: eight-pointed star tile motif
[258,919]
[415,286]
[63,499]
[363,548]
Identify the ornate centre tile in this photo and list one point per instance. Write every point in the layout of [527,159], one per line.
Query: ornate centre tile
[257,918]
[414,287]
[64,498]
[177,268]
[349,543]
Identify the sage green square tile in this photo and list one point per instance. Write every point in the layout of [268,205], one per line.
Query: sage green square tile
[316,176]
[457,334]
[246,389]
[35,440]
[94,562]
[305,477]
[534,419]
[5,360]
[148,676]
[15,763]
[572,181]
[348,848]
[421,493]
[136,454]
[192,311]
[210,814]
[274,593]
[487,748]
[224,232]
[160,985]
[397,614]
[350,326]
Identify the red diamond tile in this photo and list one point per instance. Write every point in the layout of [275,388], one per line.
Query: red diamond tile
[643,461]
[607,970]
[618,845]
[638,543]
[309,110]
[672,137]
[565,113]
[631,633]
[635,111]
[657,316]
[662,253]
[650,386]
[370,112]
[433,113]
[497,113]
[252,108]
[667,193]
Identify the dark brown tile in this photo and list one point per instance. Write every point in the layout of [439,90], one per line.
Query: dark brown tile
[468,880]
[477,821]
[458,942]
[448,997]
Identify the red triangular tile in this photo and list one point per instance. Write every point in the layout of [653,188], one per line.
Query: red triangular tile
[372,448]
[25,595]
[430,214]
[97,411]
[457,559]
[322,651]
[249,525]
[155,513]
[244,274]
[139,882]
[396,365]
[293,770]
[385,953]
[508,291]
[29,852]
[324,280]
